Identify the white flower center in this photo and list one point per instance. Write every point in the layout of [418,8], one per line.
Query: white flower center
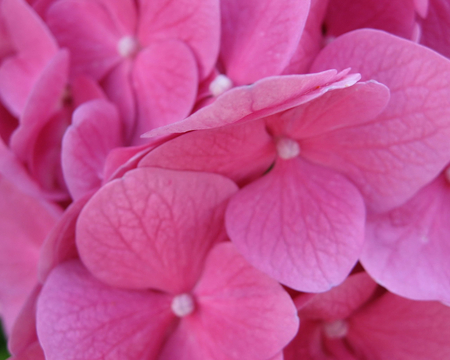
[336,329]
[220,84]
[128,46]
[287,148]
[183,305]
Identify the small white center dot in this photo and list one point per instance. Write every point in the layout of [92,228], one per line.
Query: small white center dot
[183,305]
[287,148]
[128,46]
[220,84]
[336,329]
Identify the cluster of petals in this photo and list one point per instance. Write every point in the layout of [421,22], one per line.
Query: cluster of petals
[225,179]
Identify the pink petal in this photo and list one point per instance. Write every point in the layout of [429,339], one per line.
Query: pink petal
[241,314]
[241,152]
[83,89]
[259,37]
[35,47]
[334,110]
[81,318]
[33,352]
[301,224]
[311,41]
[396,17]
[422,6]
[340,302]
[96,129]
[397,328]
[194,22]
[59,246]
[407,145]
[435,27]
[164,74]
[265,97]
[24,224]
[407,249]
[87,29]
[153,228]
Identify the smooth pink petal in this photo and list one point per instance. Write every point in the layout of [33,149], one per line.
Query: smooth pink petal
[83,89]
[241,152]
[259,37]
[396,17]
[341,301]
[307,345]
[153,228]
[397,328]
[407,145]
[301,224]
[34,45]
[265,97]
[80,318]
[33,352]
[164,74]
[407,249]
[96,129]
[436,27]
[122,12]
[59,245]
[88,31]
[197,23]
[422,6]
[311,41]
[334,110]
[241,314]
[24,224]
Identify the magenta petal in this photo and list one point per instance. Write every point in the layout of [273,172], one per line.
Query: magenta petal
[266,97]
[242,313]
[407,145]
[407,249]
[196,22]
[240,152]
[96,129]
[259,37]
[301,224]
[35,46]
[153,228]
[88,31]
[79,317]
[33,352]
[341,301]
[164,74]
[436,27]
[397,328]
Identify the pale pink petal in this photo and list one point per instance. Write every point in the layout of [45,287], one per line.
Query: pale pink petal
[153,228]
[311,41]
[197,23]
[96,129]
[407,249]
[34,45]
[59,245]
[80,318]
[265,97]
[401,329]
[259,37]
[341,301]
[301,224]
[396,17]
[241,314]
[422,7]
[407,145]
[165,82]
[436,27]
[241,152]
[334,110]
[88,31]
[24,224]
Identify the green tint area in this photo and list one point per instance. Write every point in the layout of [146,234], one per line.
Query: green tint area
[3,352]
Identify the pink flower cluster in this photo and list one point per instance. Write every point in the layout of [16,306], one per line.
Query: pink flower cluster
[225,179]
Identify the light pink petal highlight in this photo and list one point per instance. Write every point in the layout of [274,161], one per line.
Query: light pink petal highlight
[259,37]
[407,249]
[153,228]
[301,224]
[407,145]
[80,318]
